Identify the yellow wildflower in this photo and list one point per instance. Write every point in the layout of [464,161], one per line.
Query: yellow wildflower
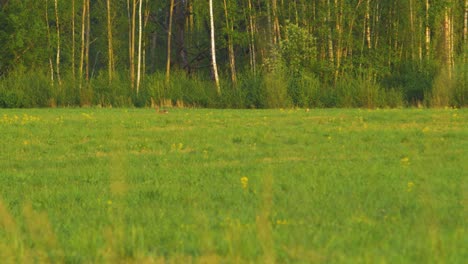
[405,160]
[281,222]
[410,186]
[244,182]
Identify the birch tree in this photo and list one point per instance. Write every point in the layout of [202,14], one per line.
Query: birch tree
[73,41]
[83,41]
[231,55]
[427,32]
[88,37]
[465,33]
[57,59]
[252,30]
[213,49]
[169,38]
[140,40]
[110,49]
[131,16]
[51,65]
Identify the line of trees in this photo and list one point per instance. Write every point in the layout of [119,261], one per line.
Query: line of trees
[234,53]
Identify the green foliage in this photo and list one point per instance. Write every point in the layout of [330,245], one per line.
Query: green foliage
[22,34]
[450,90]
[275,84]
[25,89]
[190,90]
[114,93]
[360,92]
[298,50]
[289,54]
[252,90]
[68,93]
[460,86]
[306,90]
[442,90]
[414,79]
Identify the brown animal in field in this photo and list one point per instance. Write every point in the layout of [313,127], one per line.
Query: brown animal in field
[161,111]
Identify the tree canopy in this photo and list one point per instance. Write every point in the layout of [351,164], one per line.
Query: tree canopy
[270,53]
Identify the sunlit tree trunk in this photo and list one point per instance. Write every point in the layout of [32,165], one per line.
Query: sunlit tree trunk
[51,64]
[276,24]
[331,55]
[131,13]
[465,33]
[368,26]
[427,32]
[420,40]
[111,67]
[83,42]
[145,38]
[140,41]
[169,38]
[213,49]
[412,30]
[88,37]
[366,32]
[73,42]
[252,29]
[375,24]
[269,23]
[57,59]
[339,31]
[448,44]
[349,46]
[232,60]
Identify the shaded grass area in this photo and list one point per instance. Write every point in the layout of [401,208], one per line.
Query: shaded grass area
[101,185]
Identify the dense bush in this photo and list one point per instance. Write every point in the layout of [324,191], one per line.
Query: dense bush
[414,78]
[20,89]
[273,88]
[459,96]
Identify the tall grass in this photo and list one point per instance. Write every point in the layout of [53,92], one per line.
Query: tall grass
[233,186]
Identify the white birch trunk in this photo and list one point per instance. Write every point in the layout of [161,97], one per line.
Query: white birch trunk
[368,27]
[213,49]
[448,47]
[51,64]
[411,27]
[140,37]
[169,39]
[232,60]
[428,32]
[253,62]
[57,59]
[465,33]
[83,44]
[330,37]
[73,41]
[110,42]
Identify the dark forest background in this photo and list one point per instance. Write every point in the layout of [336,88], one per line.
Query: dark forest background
[269,53]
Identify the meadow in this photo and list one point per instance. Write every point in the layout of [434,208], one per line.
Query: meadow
[233,186]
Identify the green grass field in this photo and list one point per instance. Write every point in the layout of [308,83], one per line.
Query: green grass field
[233,186]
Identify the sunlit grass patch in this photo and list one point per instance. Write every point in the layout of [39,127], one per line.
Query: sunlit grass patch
[210,186]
